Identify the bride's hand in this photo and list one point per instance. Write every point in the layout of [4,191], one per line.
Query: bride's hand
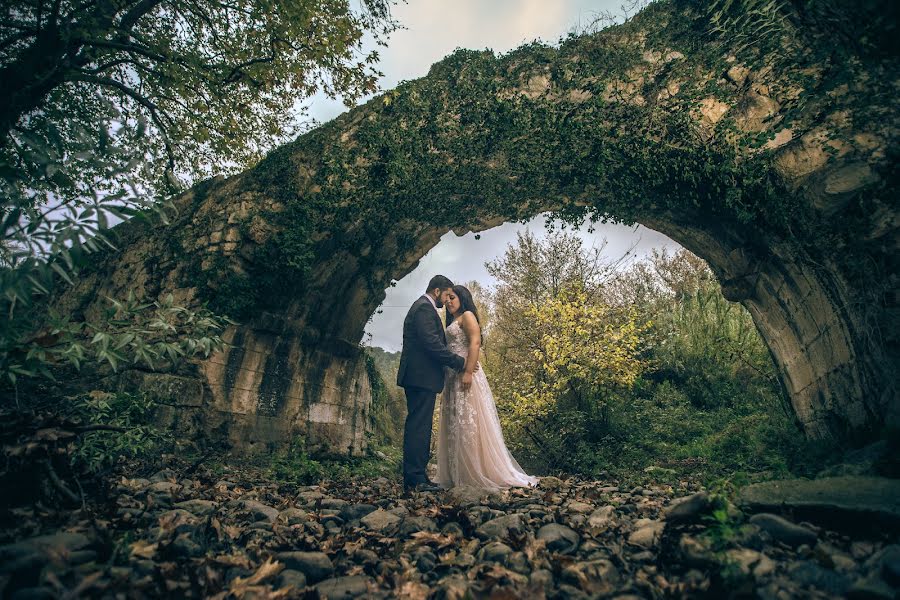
[466,381]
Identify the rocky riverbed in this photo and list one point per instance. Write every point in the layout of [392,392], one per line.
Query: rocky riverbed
[238,535]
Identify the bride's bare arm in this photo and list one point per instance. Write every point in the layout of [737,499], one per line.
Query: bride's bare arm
[473,333]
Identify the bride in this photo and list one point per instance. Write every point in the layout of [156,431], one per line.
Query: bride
[470,449]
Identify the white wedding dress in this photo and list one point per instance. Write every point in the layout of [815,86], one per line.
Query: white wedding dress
[470,448]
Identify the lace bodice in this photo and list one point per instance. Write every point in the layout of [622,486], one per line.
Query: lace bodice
[457,340]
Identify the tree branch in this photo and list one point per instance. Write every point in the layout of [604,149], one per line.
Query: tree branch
[113,63]
[125,47]
[130,18]
[58,483]
[9,41]
[142,100]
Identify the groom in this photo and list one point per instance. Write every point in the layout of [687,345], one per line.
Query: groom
[421,375]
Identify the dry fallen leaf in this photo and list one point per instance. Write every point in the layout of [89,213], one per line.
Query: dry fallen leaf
[232,560]
[143,549]
[233,531]
[268,569]
[412,590]
[85,584]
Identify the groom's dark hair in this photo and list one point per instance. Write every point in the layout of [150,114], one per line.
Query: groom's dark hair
[439,281]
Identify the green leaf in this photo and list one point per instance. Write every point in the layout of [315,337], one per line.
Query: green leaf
[62,273]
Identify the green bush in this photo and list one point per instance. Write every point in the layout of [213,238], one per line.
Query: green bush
[295,465]
[125,430]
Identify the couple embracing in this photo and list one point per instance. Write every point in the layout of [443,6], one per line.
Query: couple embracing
[470,447]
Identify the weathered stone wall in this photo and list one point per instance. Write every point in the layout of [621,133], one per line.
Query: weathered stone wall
[777,165]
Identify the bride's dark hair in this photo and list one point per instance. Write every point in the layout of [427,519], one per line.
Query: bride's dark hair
[466,302]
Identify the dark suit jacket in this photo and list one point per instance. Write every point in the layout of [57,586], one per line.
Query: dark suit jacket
[425,352]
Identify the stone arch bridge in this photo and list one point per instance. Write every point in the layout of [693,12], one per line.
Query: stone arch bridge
[771,155]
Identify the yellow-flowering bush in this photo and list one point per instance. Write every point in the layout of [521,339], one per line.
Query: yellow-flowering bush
[584,352]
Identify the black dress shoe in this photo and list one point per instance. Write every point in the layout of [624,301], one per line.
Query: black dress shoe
[427,486]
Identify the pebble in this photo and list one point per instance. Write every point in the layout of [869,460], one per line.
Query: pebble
[559,538]
[647,535]
[596,577]
[380,520]
[500,527]
[348,586]
[688,509]
[783,530]
[315,566]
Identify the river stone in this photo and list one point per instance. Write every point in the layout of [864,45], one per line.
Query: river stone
[260,511]
[348,586]
[808,573]
[601,519]
[164,487]
[581,508]
[541,581]
[201,508]
[44,544]
[411,525]
[647,534]
[596,577]
[494,552]
[890,564]
[764,568]
[550,483]
[694,552]
[466,495]
[559,538]
[500,527]
[185,547]
[688,509]
[316,566]
[138,483]
[311,496]
[293,516]
[335,503]
[365,556]
[871,588]
[744,558]
[353,512]
[453,587]
[849,502]
[380,520]
[783,530]
[478,515]
[291,578]
[163,475]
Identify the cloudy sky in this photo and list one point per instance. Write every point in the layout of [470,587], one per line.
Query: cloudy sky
[434,29]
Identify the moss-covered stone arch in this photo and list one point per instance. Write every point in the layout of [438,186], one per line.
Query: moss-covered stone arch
[774,158]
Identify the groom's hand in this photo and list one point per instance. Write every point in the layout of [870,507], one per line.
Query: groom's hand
[477,366]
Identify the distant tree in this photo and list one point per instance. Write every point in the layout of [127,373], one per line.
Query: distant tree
[530,273]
